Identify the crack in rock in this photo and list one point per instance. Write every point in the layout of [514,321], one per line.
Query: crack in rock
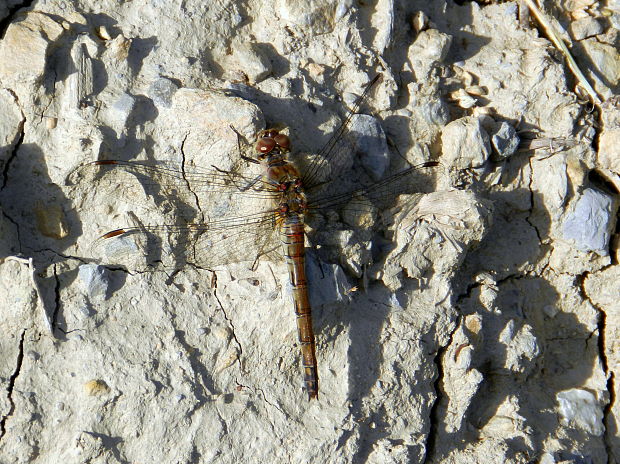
[228,319]
[434,415]
[273,405]
[189,185]
[601,343]
[57,302]
[17,143]
[531,211]
[11,385]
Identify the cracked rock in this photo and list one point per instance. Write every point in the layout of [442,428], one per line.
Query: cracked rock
[460,326]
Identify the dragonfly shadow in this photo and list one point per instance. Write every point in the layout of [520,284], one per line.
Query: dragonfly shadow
[302,116]
[532,390]
[280,65]
[366,321]
[39,209]
[60,64]
[202,376]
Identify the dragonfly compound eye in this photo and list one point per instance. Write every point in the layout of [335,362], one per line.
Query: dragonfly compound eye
[265,145]
[282,141]
[271,133]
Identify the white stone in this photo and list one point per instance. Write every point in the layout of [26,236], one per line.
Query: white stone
[580,408]
[431,45]
[585,27]
[252,61]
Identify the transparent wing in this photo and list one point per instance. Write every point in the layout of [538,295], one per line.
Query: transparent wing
[240,224]
[337,151]
[169,177]
[209,245]
[379,193]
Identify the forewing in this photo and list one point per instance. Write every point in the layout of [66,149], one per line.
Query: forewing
[172,178]
[378,194]
[336,154]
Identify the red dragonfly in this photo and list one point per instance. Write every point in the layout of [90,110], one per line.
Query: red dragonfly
[288,195]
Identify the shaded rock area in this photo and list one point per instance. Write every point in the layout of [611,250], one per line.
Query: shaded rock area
[465,311]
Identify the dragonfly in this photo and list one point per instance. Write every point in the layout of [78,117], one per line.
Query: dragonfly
[287,194]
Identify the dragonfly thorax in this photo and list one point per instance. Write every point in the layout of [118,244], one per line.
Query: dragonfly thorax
[291,186]
[293,206]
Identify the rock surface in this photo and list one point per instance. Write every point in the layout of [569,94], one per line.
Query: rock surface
[472,318]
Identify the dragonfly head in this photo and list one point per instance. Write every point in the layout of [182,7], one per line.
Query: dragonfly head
[271,143]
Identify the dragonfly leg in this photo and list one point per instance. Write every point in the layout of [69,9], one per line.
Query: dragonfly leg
[239,138]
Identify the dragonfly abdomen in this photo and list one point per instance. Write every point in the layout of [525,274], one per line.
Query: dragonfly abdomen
[294,252]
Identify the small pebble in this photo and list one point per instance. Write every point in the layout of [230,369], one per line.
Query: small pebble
[505,141]
[161,92]
[95,282]
[51,220]
[96,387]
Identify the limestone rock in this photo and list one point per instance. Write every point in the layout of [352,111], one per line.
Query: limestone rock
[465,144]
[448,302]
